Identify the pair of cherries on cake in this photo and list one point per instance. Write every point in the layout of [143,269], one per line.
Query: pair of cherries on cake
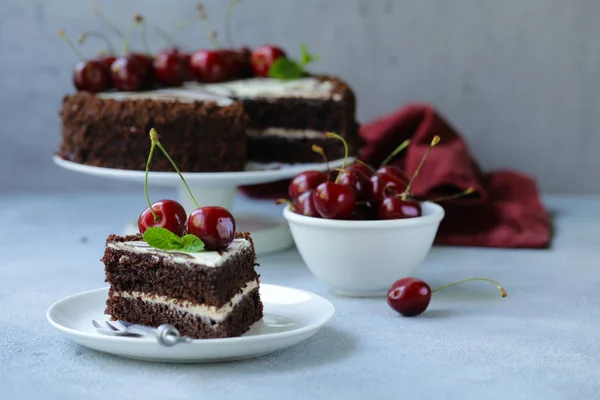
[358,191]
[165,224]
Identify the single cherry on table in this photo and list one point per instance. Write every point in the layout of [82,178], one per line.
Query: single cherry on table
[263,58]
[168,214]
[214,225]
[411,296]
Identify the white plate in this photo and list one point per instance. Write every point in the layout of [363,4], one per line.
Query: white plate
[290,317]
[254,174]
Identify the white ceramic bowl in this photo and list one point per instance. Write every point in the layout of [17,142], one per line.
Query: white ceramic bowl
[364,258]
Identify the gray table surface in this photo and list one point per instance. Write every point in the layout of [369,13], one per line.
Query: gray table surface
[541,342]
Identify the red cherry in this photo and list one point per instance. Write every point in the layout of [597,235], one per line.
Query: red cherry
[209,66]
[107,60]
[305,181]
[393,171]
[357,182]
[91,76]
[263,57]
[334,201]
[127,74]
[360,169]
[385,184]
[146,61]
[409,296]
[238,62]
[214,225]
[170,69]
[171,216]
[305,205]
[396,208]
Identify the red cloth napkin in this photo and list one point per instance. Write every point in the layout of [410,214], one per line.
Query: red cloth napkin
[503,211]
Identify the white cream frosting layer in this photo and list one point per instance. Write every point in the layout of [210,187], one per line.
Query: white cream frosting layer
[309,88]
[201,310]
[207,258]
[176,94]
[286,133]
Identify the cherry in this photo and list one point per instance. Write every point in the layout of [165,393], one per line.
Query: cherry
[386,184]
[107,60]
[263,57]
[411,296]
[334,200]
[362,169]
[214,225]
[304,182]
[356,182]
[91,76]
[394,171]
[305,205]
[127,74]
[238,62]
[146,62]
[398,208]
[88,75]
[168,214]
[209,66]
[170,69]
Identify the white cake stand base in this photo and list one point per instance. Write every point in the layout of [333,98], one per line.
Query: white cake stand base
[270,234]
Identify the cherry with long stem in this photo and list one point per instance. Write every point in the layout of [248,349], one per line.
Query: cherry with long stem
[107,21]
[434,142]
[394,153]
[89,75]
[154,138]
[500,288]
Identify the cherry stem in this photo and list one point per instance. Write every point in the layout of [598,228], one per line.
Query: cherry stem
[228,18]
[319,150]
[286,201]
[331,135]
[64,37]
[167,37]
[99,35]
[127,39]
[435,141]
[154,138]
[140,20]
[500,288]
[152,147]
[204,18]
[454,196]
[107,21]
[394,153]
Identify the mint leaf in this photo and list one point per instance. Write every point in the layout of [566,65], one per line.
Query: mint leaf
[192,244]
[285,69]
[162,238]
[307,58]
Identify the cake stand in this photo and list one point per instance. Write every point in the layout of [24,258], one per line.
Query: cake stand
[270,234]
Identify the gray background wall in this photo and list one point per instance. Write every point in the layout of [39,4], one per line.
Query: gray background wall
[518,77]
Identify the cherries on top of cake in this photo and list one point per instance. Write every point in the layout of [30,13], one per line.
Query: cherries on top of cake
[357,191]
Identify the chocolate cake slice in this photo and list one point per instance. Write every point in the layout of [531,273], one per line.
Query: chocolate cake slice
[204,295]
[287,117]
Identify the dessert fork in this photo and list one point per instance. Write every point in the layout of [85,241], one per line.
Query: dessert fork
[166,335]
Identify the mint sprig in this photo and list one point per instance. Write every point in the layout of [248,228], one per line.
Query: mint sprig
[285,68]
[164,239]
